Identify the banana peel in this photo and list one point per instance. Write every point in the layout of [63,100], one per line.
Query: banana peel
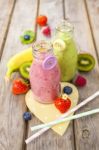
[17,60]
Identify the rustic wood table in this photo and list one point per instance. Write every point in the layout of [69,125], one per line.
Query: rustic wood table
[17,16]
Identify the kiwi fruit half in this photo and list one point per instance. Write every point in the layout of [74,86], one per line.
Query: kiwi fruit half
[24,69]
[86,62]
[31,38]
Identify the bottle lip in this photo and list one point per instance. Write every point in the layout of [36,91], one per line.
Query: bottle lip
[65,26]
[41,48]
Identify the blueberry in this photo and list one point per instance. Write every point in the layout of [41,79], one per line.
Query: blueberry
[27,37]
[67,89]
[27,116]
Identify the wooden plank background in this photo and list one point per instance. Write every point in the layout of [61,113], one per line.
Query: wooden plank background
[86,137]
[6,12]
[12,126]
[93,14]
[19,15]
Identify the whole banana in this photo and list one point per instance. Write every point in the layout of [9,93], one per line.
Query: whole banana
[17,60]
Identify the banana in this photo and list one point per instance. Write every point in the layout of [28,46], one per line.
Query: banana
[17,60]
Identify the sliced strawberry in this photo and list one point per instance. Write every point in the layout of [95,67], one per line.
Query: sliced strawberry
[62,105]
[20,87]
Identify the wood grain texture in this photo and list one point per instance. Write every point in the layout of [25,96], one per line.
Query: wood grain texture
[86,129]
[50,140]
[93,13]
[12,126]
[6,10]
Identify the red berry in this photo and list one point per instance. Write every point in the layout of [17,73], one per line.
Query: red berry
[41,20]
[62,105]
[80,81]
[46,31]
[19,87]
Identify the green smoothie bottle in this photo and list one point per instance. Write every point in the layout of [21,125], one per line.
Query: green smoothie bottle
[65,50]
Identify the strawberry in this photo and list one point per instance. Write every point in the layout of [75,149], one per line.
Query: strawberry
[80,81]
[41,20]
[62,105]
[20,86]
[46,31]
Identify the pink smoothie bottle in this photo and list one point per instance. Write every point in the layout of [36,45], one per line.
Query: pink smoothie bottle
[44,73]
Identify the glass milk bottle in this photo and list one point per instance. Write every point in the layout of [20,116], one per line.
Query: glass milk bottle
[44,73]
[65,50]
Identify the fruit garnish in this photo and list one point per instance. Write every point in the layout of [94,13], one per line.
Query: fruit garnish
[17,60]
[24,69]
[27,116]
[62,105]
[64,96]
[67,89]
[20,87]
[28,37]
[59,45]
[46,31]
[49,62]
[86,62]
[41,20]
[80,81]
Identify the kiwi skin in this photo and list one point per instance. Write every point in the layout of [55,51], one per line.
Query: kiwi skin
[24,69]
[86,62]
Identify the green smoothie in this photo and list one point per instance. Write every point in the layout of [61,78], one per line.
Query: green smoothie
[65,51]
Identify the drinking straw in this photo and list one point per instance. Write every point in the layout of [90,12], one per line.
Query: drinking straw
[34,136]
[94,111]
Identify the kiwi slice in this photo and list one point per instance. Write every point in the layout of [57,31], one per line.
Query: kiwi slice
[24,69]
[31,35]
[86,62]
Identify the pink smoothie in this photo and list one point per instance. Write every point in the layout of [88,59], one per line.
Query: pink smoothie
[44,83]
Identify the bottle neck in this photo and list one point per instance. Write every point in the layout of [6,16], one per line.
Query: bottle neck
[65,28]
[41,50]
